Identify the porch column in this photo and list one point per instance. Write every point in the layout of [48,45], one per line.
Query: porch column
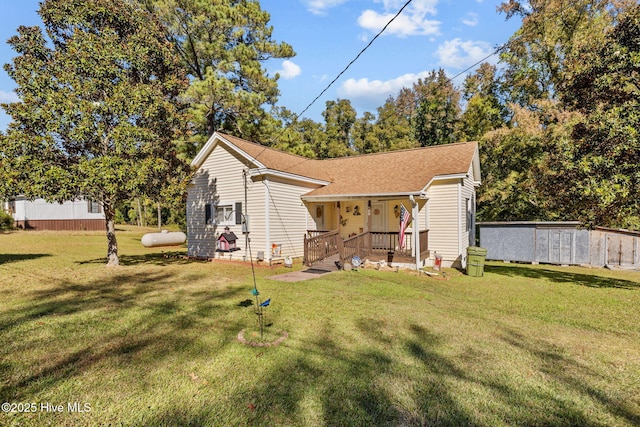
[369,220]
[338,215]
[416,230]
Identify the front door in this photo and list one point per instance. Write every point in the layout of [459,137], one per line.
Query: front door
[379,224]
[319,217]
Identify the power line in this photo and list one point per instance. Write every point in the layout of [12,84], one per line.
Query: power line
[498,49]
[356,58]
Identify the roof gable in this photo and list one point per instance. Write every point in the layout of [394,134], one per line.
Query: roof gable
[388,173]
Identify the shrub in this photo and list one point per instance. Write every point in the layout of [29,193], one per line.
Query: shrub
[6,221]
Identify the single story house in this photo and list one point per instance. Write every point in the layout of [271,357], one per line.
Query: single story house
[38,214]
[312,209]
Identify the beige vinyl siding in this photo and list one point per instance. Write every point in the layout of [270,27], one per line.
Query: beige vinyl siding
[467,192]
[257,221]
[443,219]
[199,238]
[219,180]
[288,217]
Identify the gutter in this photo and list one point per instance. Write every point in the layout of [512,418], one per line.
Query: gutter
[340,197]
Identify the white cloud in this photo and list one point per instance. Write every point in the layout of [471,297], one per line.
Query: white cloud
[319,7]
[289,70]
[7,97]
[459,54]
[471,19]
[371,94]
[412,21]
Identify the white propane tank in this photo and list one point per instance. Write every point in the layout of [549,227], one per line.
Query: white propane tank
[164,238]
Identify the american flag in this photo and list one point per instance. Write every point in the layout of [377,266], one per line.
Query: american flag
[405,217]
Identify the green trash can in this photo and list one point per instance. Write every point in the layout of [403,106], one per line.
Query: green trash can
[475,261]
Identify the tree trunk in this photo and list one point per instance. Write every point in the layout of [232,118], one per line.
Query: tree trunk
[139,211]
[112,243]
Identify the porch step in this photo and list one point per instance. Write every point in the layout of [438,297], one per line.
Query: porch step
[328,264]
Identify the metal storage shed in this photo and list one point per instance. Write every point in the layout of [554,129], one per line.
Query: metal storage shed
[560,243]
[546,242]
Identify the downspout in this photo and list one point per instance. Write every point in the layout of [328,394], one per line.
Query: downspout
[267,221]
[463,261]
[416,230]
[244,215]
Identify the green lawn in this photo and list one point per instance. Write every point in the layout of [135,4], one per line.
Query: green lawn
[154,342]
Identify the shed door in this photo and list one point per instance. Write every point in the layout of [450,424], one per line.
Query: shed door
[561,246]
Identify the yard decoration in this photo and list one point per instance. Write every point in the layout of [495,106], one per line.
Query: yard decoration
[256,294]
[356,261]
[260,306]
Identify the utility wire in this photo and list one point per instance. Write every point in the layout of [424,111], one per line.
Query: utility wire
[496,50]
[356,58]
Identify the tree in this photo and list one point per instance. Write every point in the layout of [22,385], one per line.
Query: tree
[551,30]
[364,138]
[437,111]
[290,136]
[393,127]
[222,44]
[601,168]
[484,111]
[99,112]
[509,155]
[339,117]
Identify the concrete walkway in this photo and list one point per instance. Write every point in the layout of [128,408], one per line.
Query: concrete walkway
[318,269]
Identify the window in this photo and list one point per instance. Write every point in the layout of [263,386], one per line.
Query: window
[223,214]
[93,207]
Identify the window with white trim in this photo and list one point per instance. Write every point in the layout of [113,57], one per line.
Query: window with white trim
[223,213]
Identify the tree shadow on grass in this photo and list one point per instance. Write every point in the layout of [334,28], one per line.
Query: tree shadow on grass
[344,391]
[7,258]
[518,404]
[538,272]
[553,361]
[131,319]
[164,258]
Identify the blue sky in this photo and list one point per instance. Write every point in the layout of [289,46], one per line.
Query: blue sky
[328,34]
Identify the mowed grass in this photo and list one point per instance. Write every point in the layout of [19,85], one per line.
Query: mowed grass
[154,342]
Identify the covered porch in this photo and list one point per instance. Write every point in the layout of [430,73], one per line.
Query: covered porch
[369,229]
